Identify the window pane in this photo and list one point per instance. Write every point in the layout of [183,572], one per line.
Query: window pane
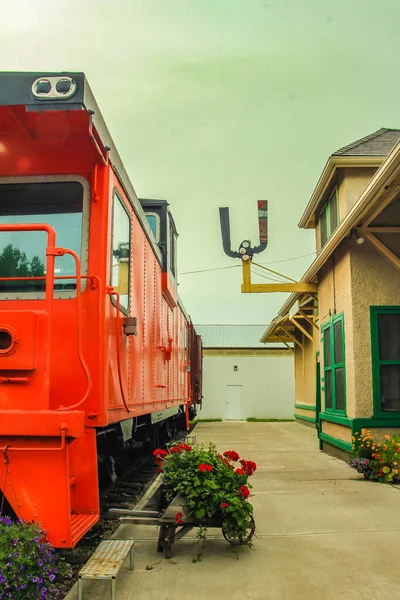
[333,210]
[120,252]
[389,337]
[339,382]
[323,227]
[328,389]
[390,388]
[153,224]
[327,346]
[338,341]
[23,253]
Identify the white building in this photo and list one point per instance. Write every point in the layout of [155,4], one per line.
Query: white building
[243,378]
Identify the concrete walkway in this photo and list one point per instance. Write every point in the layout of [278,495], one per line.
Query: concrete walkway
[323,532]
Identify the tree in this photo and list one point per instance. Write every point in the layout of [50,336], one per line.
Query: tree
[15,263]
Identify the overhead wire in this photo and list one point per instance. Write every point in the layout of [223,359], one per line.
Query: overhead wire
[273,262]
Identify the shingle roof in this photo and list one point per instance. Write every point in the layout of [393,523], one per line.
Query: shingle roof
[379,143]
[232,336]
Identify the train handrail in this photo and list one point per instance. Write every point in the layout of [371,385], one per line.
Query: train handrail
[79,332]
[8,448]
[111,292]
[50,258]
[51,252]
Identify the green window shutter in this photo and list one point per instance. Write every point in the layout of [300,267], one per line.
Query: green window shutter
[334,365]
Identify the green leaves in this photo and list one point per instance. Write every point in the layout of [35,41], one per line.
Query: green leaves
[199,513]
[28,560]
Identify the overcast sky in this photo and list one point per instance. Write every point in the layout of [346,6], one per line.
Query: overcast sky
[221,103]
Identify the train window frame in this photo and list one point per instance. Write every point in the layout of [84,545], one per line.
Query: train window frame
[116,195]
[84,255]
[172,244]
[157,235]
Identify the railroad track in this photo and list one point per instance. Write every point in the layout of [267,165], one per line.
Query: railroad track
[132,482]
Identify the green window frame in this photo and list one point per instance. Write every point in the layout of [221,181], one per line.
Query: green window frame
[334,365]
[329,218]
[385,360]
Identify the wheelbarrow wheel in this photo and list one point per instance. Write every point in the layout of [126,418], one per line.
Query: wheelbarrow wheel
[241,540]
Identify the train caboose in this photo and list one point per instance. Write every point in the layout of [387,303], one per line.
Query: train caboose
[94,340]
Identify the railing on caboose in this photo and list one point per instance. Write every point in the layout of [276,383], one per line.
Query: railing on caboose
[52,251]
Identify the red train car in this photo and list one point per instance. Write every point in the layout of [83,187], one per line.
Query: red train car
[94,341]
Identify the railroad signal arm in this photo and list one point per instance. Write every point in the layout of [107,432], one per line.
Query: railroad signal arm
[246,253]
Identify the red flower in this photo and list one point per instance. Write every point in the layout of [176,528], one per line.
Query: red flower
[181,448]
[244,491]
[174,450]
[232,455]
[205,467]
[240,471]
[224,505]
[178,518]
[248,466]
[159,453]
[159,470]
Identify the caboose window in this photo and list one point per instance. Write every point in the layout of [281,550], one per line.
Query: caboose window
[154,222]
[121,252]
[23,253]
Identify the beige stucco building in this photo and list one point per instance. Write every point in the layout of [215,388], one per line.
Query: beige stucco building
[346,335]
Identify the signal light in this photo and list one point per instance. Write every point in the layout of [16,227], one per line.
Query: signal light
[54,88]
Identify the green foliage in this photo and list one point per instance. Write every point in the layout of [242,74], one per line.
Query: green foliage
[14,263]
[376,459]
[211,485]
[29,567]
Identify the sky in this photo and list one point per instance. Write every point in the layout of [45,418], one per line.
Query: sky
[222,103]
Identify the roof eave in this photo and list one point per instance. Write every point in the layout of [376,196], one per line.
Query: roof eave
[334,162]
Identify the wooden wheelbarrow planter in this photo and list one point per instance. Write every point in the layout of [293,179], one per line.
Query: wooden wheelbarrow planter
[155,512]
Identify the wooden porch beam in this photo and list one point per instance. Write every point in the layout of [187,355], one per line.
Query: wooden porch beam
[310,321]
[303,331]
[383,249]
[292,337]
[283,342]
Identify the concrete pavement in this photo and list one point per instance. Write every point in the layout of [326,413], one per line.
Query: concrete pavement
[323,532]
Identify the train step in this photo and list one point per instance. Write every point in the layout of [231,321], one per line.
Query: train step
[80,524]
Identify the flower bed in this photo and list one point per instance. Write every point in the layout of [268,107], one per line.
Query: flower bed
[213,486]
[377,460]
[29,567]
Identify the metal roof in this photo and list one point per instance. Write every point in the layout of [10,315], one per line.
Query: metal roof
[232,336]
[379,143]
